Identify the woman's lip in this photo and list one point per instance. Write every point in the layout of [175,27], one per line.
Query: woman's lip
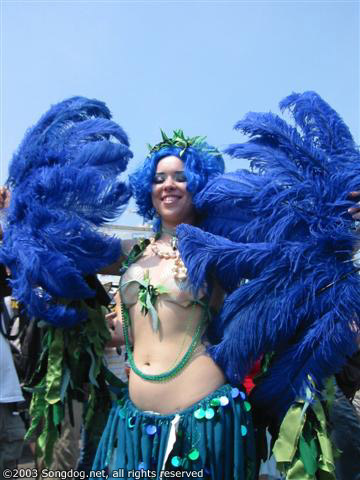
[170,199]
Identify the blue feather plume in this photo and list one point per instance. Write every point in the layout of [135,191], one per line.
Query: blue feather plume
[284,226]
[65,184]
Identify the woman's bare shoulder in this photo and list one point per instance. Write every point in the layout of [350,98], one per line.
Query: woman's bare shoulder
[126,247]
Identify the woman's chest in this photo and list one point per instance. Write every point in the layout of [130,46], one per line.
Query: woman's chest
[158,277]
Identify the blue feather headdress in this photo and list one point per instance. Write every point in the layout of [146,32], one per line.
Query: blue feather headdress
[65,184]
[284,226]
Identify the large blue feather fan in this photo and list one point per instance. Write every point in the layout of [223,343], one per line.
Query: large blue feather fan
[284,226]
[65,184]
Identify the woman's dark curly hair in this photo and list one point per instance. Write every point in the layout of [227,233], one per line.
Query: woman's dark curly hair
[202,162]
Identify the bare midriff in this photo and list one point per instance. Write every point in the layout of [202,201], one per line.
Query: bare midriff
[158,352]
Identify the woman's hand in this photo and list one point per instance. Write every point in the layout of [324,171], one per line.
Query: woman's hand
[355,211]
[4,197]
[111,320]
[4,203]
[115,328]
[114,322]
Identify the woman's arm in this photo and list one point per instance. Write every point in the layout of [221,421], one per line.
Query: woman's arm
[115,327]
[114,321]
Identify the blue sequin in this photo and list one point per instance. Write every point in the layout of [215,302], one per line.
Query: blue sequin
[235,392]
[150,429]
[176,461]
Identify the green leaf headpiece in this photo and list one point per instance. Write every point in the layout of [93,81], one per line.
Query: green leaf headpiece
[179,140]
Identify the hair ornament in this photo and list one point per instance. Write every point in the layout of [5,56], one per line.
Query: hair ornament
[180,141]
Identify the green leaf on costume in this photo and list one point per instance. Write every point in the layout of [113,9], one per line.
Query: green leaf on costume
[37,408]
[58,413]
[308,454]
[70,359]
[147,297]
[90,405]
[94,368]
[111,378]
[64,383]
[48,436]
[142,300]
[160,289]
[151,299]
[54,373]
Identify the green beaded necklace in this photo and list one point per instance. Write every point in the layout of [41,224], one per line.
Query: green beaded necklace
[134,255]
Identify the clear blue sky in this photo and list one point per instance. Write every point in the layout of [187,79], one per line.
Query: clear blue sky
[196,65]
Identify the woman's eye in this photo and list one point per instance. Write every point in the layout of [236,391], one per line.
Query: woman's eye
[180,177]
[158,178]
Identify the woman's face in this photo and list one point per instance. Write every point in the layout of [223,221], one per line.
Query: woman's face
[170,197]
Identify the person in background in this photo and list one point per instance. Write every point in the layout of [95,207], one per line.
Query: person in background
[345,411]
[12,429]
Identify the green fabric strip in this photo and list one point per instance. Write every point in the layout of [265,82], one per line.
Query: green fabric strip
[71,359]
[113,379]
[326,460]
[303,450]
[37,408]
[290,430]
[54,373]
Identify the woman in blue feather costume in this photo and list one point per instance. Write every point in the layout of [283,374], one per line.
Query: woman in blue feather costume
[180,414]
[283,226]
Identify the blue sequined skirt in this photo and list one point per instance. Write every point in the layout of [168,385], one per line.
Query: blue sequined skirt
[213,439]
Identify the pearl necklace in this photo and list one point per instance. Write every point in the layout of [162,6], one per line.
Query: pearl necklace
[179,269]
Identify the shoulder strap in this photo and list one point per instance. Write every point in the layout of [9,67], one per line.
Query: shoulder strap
[135,253]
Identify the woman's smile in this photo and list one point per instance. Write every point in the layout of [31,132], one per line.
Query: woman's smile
[170,199]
